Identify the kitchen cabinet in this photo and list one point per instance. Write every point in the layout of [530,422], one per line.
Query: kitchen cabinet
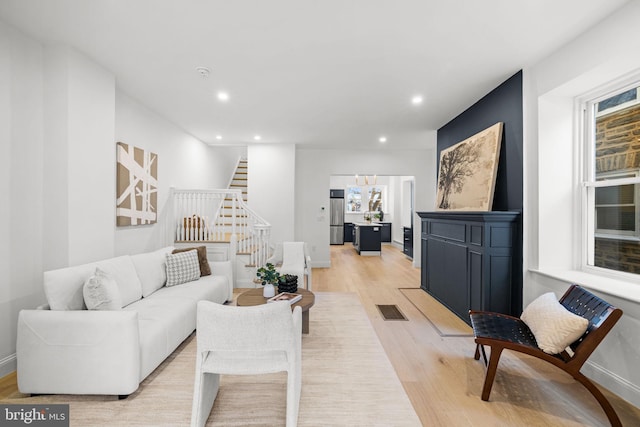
[385,235]
[348,232]
[407,247]
[472,260]
[367,240]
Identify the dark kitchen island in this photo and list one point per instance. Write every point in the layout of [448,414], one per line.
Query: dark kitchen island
[367,238]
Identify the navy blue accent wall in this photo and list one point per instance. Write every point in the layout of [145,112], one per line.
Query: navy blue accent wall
[503,104]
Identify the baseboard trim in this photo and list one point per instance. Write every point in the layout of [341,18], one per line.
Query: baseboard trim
[613,382]
[8,365]
[320,264]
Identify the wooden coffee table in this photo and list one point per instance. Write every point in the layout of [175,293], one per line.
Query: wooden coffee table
[254,297]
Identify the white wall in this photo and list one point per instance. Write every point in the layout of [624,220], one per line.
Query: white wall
[90,159]
[272,187]
[21,185]
[552,212]
[59,118]
[313,171]
[184,162]
[80,181]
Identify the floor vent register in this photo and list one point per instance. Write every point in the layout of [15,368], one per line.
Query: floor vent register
[390,312]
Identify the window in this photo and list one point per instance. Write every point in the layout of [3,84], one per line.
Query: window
[374,201]
[354,199]
[612,180]
[616,212]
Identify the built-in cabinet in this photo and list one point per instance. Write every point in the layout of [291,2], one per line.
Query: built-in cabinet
[348,232]
[385,232]
[407,247]
[471,260]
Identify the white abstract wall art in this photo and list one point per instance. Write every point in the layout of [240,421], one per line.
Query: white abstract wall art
[136,186]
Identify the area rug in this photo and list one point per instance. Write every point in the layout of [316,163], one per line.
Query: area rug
[347,381]
[441,318]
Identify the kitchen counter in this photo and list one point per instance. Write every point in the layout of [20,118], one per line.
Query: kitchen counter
[367,238]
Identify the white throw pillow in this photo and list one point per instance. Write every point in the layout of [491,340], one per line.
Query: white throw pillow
[554,326]
[182,267]
[101,292]
[125,275]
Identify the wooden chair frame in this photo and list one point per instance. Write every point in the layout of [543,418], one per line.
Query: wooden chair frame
[500,331]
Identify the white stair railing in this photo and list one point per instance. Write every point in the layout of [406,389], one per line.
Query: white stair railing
[220,216]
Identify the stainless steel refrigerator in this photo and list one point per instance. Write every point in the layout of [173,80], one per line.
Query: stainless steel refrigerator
[336,217]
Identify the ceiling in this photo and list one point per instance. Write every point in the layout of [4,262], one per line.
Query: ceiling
[331,73]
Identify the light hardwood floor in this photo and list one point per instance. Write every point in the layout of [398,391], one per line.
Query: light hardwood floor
[432,354]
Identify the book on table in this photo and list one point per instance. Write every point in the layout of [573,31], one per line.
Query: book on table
[286,296]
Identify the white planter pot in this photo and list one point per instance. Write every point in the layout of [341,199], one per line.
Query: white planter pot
[269,290]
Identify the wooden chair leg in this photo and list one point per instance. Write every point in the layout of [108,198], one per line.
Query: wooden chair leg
[477,355]
[602,400]
[494,358]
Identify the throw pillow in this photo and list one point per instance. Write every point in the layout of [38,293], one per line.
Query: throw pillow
[205,269]
[101,292]
[554,326]
[182,267]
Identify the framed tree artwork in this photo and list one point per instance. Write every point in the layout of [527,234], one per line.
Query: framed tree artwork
[467,172]
[136,185]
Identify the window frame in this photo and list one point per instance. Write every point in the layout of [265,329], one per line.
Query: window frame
[588,114]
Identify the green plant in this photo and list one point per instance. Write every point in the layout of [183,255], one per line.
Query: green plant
[268,274]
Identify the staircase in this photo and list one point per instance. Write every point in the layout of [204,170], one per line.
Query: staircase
[222,221]
[240,178]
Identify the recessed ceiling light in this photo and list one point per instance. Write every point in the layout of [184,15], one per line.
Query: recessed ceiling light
[383,139]
[223,96]
[218,137]
[417,99]
[203,71]
[257,137]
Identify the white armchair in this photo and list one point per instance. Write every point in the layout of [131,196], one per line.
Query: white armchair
[293,258]
[246,340]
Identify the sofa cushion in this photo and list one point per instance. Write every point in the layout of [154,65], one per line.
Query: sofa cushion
[101,292]
[553,326]
[182,267]
[211,288]
[152,269]
[63,287]
[205,269]
[124,272]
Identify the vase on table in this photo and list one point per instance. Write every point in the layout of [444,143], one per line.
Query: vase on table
[269,290]
[288,283]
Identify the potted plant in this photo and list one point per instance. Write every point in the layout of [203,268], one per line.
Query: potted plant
[269,278]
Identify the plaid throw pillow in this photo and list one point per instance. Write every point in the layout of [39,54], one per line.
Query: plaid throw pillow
[182,267]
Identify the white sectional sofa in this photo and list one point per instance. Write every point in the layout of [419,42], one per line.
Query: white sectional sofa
[63,348]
